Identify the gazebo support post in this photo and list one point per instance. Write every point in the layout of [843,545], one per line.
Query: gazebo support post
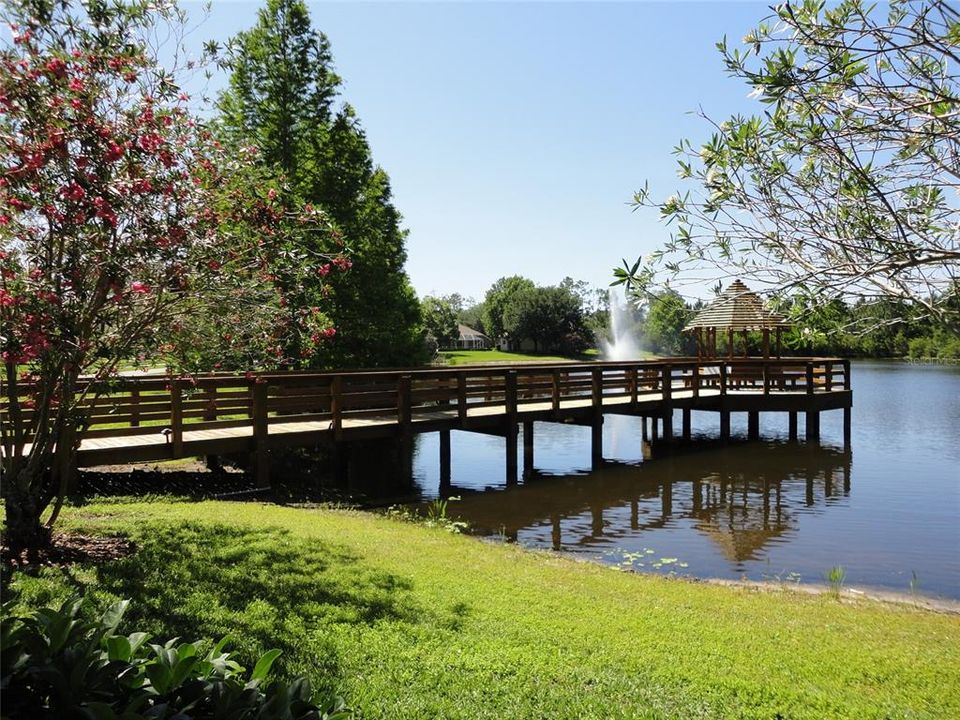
[730,342]
[766,343]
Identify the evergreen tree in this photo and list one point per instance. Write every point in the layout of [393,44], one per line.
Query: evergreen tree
[282,99]
[282,87]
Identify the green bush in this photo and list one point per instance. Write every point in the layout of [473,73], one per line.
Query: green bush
[950,350]
[57,664]
[921,347]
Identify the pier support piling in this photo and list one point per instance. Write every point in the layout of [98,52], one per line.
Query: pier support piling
[724,425]
[596,443]
[686,424]
[846,427]
[527,447]
[444,459]
[792,425]
[511,439]
[813,425]
[753,425]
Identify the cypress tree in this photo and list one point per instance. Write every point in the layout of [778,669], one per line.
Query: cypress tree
[282,98]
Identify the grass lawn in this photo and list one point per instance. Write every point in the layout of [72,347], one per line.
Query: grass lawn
[471,357]
[413,622]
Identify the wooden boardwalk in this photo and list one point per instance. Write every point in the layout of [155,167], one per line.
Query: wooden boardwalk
[147,418]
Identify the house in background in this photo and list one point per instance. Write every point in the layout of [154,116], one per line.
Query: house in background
[471,339]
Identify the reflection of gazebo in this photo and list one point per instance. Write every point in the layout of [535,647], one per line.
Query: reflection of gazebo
[736,309]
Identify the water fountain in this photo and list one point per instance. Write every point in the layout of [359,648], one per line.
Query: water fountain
[623,343]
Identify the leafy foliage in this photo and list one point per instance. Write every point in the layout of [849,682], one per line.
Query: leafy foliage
[846,184]
[281,99]
[498,298]
[58,664]
[127,229]
[552,317]
[439,320]
[663,327]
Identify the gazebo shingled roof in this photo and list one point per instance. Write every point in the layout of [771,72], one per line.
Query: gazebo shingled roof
[737,308]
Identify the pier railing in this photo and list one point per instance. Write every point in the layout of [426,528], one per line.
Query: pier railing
[137,405]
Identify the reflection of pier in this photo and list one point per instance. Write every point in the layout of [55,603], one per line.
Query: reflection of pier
[149,418]
[742,502]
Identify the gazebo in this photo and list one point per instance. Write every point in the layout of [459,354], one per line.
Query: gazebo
[736,309]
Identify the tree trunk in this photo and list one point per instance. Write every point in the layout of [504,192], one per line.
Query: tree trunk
[22,528]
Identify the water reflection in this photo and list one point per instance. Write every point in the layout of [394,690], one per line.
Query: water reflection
[742,503]
[760,509]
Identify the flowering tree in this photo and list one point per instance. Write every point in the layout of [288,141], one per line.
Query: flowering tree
[127,232]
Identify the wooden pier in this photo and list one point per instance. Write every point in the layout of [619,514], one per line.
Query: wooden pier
[149,418]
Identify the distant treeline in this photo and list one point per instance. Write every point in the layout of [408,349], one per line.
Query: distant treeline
[881,329]
[572,316]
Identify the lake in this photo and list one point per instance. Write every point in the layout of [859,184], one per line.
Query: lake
[887,509]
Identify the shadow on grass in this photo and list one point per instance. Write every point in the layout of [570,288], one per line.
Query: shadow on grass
[265,588]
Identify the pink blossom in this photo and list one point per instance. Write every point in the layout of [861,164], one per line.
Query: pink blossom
[139,287]
[57,67]
[73,191]
[113,153]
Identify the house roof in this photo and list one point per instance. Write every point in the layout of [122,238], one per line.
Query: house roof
[468,333]
[737,308]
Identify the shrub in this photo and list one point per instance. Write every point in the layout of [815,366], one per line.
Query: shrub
[57,664]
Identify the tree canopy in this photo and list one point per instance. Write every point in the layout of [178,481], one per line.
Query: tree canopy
[440,320]
[498,298]
[124,224]
[845,185]
[282,98]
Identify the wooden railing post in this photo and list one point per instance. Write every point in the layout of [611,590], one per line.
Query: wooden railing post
[176,418]
[695,382]
[510,392]
[809,378]
[336,406]
[667,382]
[555,390]
[633,385]
[846,374]
[828,379]
[210,411]
[723,378]
[135,406]
[766,377]
[462,395]
[261,432]
[404,412]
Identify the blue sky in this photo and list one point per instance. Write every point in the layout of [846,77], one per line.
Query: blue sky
[515,134]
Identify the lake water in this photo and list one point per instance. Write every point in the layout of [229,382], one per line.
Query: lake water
[887,510]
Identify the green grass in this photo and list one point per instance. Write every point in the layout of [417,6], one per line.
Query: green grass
[471,357]
[414,622]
